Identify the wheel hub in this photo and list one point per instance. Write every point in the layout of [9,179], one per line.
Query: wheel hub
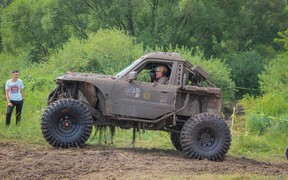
[206,137]
[66,124]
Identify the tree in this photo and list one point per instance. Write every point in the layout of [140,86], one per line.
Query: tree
[245,69]
[266,19]
[32,28]
[275,77]
[113,14]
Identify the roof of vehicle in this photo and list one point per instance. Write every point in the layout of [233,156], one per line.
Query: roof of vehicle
[164,55]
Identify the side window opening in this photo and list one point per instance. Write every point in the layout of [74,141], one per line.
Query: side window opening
[196,77]
[147,73]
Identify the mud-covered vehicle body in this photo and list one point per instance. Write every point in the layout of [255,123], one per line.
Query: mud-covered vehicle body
[188,106]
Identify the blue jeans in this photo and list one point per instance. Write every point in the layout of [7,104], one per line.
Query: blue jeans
[18,105]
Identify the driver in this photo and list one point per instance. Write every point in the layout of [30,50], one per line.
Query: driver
[161,75]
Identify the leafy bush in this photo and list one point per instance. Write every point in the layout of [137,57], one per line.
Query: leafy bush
[275,77]
[245,69]
[266,113]
[257,124]
[267,116]
[273,103]
[107,51]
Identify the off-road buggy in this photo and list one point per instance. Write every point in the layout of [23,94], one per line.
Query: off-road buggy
[188,106]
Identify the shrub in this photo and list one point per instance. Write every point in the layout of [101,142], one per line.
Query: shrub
[245,69]
[265,113]
[275,77]
[107,51]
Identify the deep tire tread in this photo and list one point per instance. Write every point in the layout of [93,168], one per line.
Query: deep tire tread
[82,116]
[192,148]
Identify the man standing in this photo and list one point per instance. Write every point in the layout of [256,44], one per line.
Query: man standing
[14,89]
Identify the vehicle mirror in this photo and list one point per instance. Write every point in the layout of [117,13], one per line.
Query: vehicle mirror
[132,76]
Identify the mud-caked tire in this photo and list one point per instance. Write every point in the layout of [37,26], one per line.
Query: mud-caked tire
[205,136]
[175,139]
[66,123]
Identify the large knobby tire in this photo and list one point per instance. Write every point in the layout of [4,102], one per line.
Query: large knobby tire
[205,136]
[66,123]
[175,139]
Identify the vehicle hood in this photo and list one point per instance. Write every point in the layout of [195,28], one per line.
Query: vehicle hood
[83,76]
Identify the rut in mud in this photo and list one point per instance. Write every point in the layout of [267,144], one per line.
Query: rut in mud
[28,161]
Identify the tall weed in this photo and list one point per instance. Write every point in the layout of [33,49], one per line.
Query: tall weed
[265,128]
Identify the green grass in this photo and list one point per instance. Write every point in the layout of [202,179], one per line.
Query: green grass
[144,139]
[27,131]
[258,148]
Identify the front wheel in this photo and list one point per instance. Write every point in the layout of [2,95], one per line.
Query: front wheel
[205,136]
[66,123]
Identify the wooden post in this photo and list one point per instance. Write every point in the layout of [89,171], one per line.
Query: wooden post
[233,116]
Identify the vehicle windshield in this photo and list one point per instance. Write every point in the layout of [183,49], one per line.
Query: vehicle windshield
[127,69]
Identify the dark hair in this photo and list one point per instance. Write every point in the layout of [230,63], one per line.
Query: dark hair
[15,71]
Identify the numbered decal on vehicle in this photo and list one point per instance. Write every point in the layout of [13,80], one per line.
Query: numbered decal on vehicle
[132,91]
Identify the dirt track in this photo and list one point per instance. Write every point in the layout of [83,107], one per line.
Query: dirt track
[23,161]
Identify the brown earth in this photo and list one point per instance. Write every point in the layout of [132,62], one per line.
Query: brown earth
[30,161]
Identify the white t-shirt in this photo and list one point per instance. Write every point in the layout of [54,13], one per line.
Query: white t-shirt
[14,89]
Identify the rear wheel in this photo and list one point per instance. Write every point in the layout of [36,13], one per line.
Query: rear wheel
[66,123]
[205,136]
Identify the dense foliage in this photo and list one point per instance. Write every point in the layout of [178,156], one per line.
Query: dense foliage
[267,116]
[219,28]
[274,85]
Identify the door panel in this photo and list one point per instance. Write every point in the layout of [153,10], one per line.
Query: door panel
[142,99]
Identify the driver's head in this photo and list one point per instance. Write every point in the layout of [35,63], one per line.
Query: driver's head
[161,69]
